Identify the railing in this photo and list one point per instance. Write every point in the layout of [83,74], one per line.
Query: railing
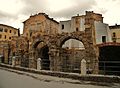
[105,67]
[109,67]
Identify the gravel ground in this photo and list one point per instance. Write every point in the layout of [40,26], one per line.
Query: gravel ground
[18,79]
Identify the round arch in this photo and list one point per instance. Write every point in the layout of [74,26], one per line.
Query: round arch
[41,50]
[63,39]
[42,53]
[70,58]
[73,44]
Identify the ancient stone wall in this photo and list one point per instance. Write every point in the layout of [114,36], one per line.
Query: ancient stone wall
[71,60]
[58,57]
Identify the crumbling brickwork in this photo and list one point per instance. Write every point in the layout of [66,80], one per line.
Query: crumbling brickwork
[34,44]
[57,55]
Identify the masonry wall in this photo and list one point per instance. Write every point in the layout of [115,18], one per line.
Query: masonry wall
[40,23]
[71,60]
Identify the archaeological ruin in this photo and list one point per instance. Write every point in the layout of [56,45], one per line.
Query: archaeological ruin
[41,40]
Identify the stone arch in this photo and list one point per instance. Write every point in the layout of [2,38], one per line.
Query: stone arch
[42,52]
[65,55]
[54,43]
[63,40]
[89,53]
[44,39]
[80,36]
[34,45]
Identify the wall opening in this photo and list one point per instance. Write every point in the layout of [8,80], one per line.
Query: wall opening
[42,52]
[103,39]
[109,60]
[62,26]
[72,52]
[73,44]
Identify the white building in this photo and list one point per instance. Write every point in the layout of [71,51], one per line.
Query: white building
[77,23]
[103,33]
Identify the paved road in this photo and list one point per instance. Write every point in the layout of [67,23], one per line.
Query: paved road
[28,80]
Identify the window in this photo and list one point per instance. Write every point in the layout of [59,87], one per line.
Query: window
[0,36]
[103,39]
[114,37]
[15,32]
[62,26]
[5,36]
[5,30]
[76,29]
[9,37]
[1,29]
[10,31]
[114,34]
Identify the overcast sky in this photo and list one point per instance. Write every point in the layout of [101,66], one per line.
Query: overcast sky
[14,12]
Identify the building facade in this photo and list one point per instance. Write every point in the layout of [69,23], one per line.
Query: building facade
[101,31]
[115,33]
[46,39]
[6,32]
[40,23]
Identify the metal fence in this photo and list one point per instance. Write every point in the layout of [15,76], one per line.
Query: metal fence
[109,67]
[105,67]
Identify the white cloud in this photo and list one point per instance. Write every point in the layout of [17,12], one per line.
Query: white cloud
[11,6]
[109,9]
[58,5]
[14,12]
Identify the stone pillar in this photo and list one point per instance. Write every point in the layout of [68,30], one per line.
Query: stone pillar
[1,59]
[83,67]
[39,64]
[96,67]
[13,61]
[6,55]
[54,59]
[32,63]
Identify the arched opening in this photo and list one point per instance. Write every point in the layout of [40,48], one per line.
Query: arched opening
[109,60]
[42,52]
[73,44]
[72,52]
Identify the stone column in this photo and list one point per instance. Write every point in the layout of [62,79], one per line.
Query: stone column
[32,59]
[83,67]
[54,62]
[6,55]
[96,67]
[0,59]
[13,61]
[39,64]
